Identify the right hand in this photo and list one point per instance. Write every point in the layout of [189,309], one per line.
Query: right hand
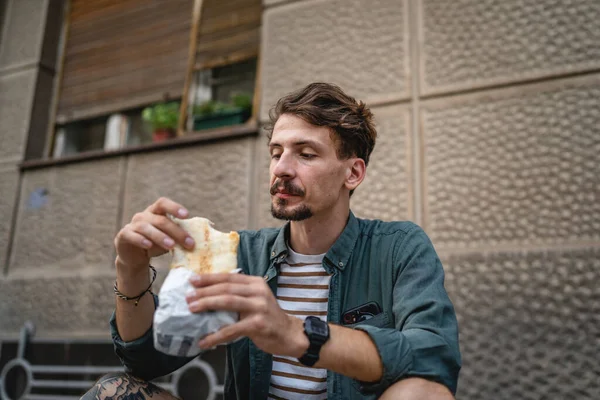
[150,234]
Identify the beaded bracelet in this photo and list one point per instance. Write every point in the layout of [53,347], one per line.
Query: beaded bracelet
[136,298]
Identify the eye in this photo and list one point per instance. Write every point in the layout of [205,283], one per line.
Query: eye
[307,156]
[275,156]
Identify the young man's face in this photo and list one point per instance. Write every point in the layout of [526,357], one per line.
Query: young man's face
[307,177]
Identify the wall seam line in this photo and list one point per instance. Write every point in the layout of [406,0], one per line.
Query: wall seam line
[415,139]
[13,223]
[124,164]
[506,85]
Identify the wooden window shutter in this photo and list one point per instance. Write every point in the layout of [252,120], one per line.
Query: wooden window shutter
[123,54]
[229,32]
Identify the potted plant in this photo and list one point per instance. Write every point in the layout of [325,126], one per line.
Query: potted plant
[213,114]
[163,119]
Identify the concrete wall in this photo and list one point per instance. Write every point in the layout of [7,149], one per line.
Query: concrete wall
[490,139]
[29,36]
[62,261]
[489,124]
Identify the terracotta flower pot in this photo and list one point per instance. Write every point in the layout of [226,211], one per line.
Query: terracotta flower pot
[160,135]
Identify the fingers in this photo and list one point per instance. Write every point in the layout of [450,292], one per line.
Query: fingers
[203,280]
[160,230]
[219,289]
[171,230]
[225,302]
[153,234]
[164,206]
[227,334]
[136,239]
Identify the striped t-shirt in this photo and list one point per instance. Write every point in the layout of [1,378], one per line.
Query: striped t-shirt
[302,290]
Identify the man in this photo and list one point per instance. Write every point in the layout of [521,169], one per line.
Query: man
[330,306]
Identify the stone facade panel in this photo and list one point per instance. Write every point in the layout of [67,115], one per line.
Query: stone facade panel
[470,43]
[529,323]
[358,45]
[23,35]
[67,217]
[16,100]
[269,3]
[386,193]
[211,180]
[62,306]
[521,166]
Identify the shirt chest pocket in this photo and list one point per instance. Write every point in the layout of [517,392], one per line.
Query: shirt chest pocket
[381,320]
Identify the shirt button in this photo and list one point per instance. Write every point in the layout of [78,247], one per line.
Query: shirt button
[266,277]
[273,254]
[341,264]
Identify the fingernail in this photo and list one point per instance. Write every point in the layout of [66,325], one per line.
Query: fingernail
[146,243]
[195,279]
[168,242]
[189,242]
[190,293]
[182,212]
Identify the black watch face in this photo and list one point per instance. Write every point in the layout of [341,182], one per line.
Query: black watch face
[316,326]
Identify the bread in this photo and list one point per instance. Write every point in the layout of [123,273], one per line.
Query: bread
[214,252]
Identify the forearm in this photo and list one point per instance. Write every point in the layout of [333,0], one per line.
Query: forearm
[417,389]
[133,321]
[348,352]
[351,353]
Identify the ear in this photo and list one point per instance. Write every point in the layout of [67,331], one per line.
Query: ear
[355,173]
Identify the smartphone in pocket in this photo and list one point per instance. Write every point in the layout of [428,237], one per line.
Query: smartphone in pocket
[361,313]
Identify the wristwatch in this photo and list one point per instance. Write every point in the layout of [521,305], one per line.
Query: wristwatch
[317,332]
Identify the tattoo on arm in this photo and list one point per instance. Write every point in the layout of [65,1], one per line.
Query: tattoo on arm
[122,386]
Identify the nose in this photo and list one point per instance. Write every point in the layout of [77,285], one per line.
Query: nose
[283,167]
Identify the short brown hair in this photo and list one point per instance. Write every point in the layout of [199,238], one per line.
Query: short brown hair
[325,104]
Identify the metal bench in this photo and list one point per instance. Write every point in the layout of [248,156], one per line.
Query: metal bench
[37,380]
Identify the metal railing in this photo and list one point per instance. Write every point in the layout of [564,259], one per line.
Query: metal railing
[42,377]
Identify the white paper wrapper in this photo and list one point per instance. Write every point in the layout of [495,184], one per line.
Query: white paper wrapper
[177,331]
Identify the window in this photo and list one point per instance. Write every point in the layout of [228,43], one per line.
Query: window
[114,131]
[225,64]
[118,57]
[223,96]
[122,56]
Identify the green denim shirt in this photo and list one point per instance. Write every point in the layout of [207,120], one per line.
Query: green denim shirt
[391,263]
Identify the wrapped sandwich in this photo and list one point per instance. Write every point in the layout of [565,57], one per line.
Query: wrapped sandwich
[177,331]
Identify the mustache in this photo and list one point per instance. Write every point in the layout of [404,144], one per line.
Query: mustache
[287,186]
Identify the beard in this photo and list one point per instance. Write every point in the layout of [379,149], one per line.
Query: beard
[299,213]
[278,205]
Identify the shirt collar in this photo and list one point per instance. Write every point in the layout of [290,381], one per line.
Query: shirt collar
[279,249]
[338,254]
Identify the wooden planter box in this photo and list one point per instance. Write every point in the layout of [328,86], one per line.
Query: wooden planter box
[227,118]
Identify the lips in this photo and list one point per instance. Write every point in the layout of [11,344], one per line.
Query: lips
[285,189]
[282,195]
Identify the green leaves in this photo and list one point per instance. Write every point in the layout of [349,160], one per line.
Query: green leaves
[242,100]
[239,102]
[162,115]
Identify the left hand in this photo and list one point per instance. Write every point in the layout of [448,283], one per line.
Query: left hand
[261,318]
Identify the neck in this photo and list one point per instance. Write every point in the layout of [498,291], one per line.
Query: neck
[318,233]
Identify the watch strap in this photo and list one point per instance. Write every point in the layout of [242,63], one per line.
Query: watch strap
[311,356]
[316,341]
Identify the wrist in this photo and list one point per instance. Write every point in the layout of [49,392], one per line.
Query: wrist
[130,271]
[131,280]
[298,341]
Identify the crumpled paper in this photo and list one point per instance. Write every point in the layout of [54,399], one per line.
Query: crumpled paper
[177,331]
